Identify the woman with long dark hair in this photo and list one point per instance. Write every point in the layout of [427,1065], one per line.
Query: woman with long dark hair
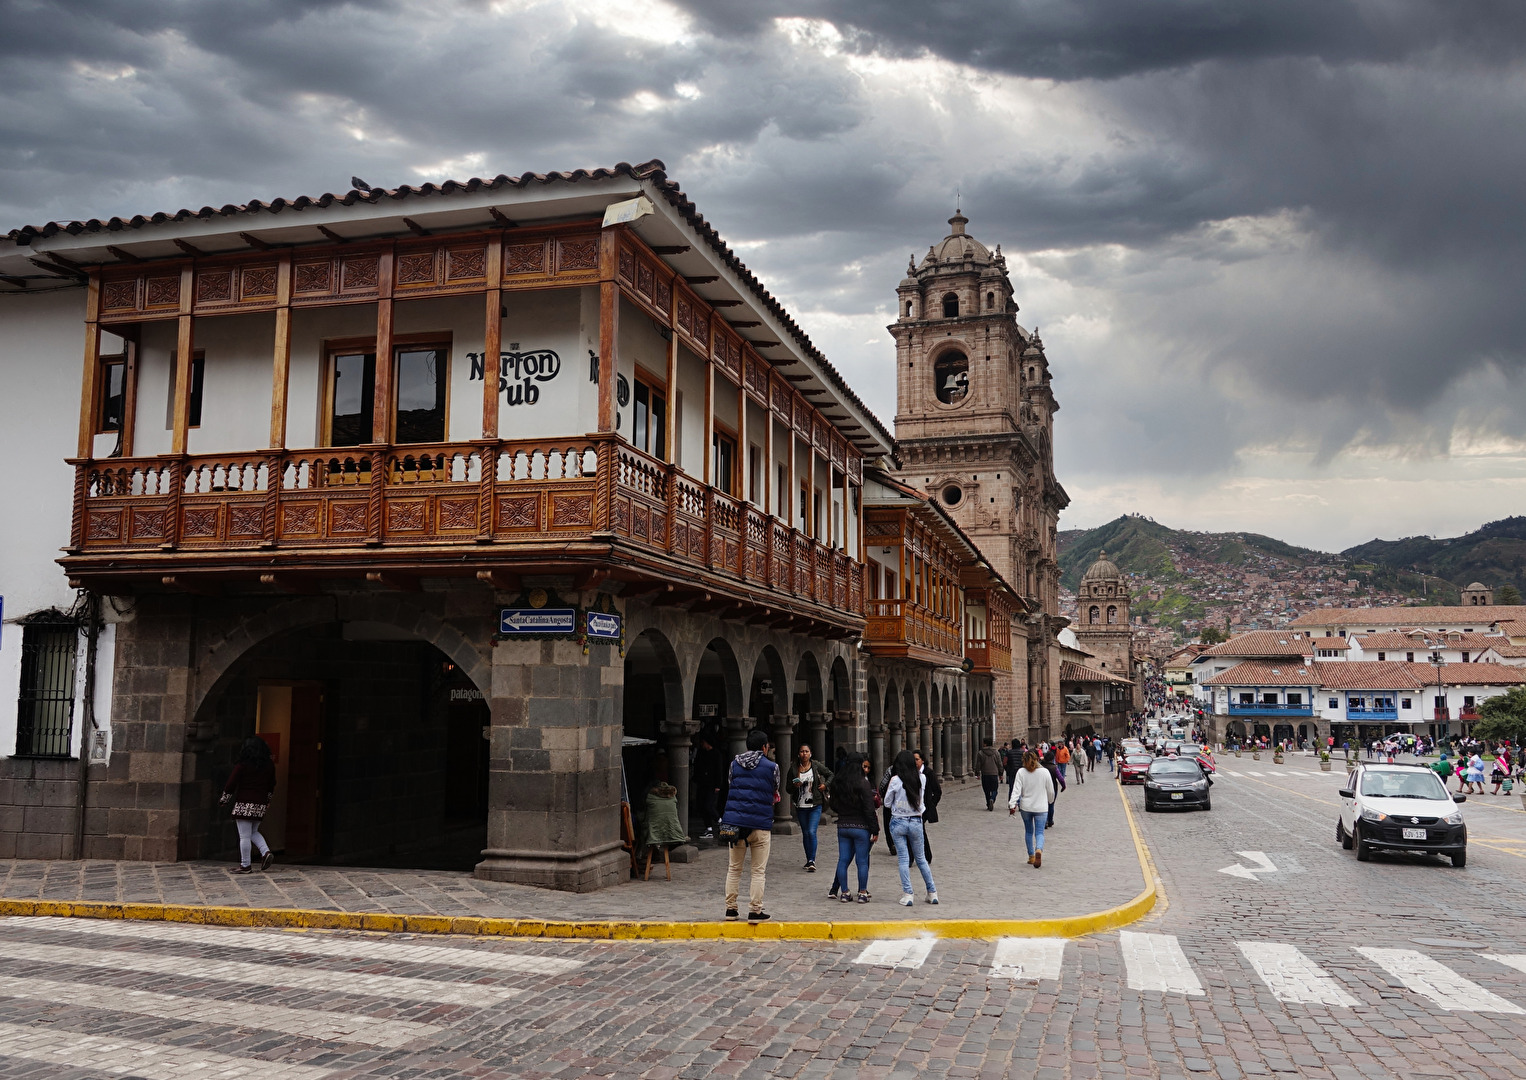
[249,788]
[857,825]
[904,796]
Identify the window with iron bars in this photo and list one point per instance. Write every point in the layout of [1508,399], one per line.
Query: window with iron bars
[45,709]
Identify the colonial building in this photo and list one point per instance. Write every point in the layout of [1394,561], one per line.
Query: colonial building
[1102,624]
[974,426]
[477,502]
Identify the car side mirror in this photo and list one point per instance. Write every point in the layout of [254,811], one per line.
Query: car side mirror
[1347,793]
[1459,798]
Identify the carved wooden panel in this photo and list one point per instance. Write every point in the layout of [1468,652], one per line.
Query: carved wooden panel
[359,273]
[627,265]
[623,517]
[214,286]
[646,281]
[148,524]
[313,277]
[119,295]
[199,522]
[162,292]
[348,516]
[757,376]
[568,510]
[257,282]
[641,520]
[519,512]
[855,465]
[410,516]
[802,423]
[524,258]
[577,255]
[457,514]
[104,525]
[819,434]
[416,269]
[299,519]
[465,264]
[783,400]
[838,450]
[664,295]
[685,316]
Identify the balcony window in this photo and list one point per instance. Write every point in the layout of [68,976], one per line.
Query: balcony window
[1295,699]
[1335,703]
[421,387]
[352,394]
[649,418]
[1268,699]
[45,707]
[1406,703]
[1409,658]
[113,389]
[198,372]
[1247,699]
[724,449]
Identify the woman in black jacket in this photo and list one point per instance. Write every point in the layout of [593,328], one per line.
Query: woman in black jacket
[249,788]
[857,826]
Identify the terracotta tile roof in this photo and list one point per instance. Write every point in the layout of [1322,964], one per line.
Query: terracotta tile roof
[1070,671]
[653,172]
[1510,652]
[1268,673]
[1511,627]
[1416,639]
[1469,674]
[1369,675]
[1410,616]
[1262,643]
[1339,644]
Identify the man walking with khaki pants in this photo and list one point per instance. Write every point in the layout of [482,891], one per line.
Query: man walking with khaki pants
[754,789]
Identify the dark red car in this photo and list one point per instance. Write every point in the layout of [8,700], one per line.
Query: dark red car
[1134,768]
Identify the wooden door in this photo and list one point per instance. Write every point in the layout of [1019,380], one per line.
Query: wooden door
[304,775]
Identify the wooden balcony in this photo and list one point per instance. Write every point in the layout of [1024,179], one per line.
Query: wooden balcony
[901,628]
[988,656]
[446,509]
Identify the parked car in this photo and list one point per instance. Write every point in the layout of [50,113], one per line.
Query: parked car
[1400,808]
[1177,782]
[1134,767]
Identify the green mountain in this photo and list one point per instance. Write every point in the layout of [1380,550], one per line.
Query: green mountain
[1143,546]
[1494,554]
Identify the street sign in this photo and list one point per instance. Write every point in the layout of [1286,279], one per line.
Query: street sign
[605,624]
[537,620]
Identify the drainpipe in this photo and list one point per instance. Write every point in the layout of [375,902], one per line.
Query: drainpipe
[87,727]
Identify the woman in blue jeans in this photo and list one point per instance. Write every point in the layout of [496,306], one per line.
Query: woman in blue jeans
[1033,794]
[904,798]
[857,826]
[807,784]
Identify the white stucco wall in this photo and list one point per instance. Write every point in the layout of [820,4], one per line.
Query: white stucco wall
[692,372]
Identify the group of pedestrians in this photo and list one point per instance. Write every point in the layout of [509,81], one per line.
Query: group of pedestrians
[1473,772]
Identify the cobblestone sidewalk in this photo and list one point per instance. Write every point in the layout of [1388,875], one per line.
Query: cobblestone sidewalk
[979,865]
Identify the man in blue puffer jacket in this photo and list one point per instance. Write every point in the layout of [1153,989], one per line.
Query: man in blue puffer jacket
[750,807]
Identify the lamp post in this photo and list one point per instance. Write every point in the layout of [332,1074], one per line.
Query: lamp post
[1438,663]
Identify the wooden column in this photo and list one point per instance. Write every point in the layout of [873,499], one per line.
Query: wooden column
[609,325]
[280,383]
[709,423]
[381,412]
[90,377]
[743,449]
[769,503]
[674,446]
[184,346]
[492,340]
[130,392]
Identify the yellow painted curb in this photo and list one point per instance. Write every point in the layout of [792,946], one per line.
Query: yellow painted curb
[616,930]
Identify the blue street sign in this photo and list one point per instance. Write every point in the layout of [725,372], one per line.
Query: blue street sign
[514,620]
[603,624]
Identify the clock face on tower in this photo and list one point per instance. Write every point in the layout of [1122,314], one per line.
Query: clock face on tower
[951,377]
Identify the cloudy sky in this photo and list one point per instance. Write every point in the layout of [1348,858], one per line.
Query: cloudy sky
[1275,249]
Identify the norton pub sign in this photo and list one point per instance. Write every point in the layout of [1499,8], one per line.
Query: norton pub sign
[519,373]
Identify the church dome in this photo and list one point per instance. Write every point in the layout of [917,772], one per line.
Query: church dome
[1477,585]
[1104,569]
[958,246]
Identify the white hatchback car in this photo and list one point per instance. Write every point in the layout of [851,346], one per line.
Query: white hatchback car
[1400,808]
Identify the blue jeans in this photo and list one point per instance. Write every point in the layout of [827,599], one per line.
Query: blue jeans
[809,817]
[1060,768]
[1033,829]
[852,846]
[906,834]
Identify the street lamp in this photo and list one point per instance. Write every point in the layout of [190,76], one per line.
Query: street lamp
[1438,663]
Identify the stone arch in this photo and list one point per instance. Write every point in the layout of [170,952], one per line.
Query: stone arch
[892,712]
[1112,614]
[921,702]
[1093,615]
[651,668]
[769,667]
[950,304]
[721,678]
[808,682]
[842,688]
[875,702]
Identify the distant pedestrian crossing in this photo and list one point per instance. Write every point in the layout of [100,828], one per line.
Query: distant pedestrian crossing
[323,987]
[1157,963]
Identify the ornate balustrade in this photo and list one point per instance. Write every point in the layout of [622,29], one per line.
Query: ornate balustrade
[895,626]
[453,493]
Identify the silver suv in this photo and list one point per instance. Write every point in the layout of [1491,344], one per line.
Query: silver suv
[1400,808]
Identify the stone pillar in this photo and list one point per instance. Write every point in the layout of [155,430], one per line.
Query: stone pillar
[735,729]
[554,776]
[934,754]
[925,739]
[894,731]
[816,734]
[946,746]
[784,753]
[680,735]
[876,752]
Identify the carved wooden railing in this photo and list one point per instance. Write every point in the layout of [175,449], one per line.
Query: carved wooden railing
[448,493]
[903,623]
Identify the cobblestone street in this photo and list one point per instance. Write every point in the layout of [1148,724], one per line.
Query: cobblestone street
[1323,967]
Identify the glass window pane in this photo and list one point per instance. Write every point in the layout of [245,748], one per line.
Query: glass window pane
[659,426]
[639,432]
[420,395]
[198,370]
[115,381]
[354,390]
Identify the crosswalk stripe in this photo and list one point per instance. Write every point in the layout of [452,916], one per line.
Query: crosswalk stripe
[308,944]
[1156,962]
[1249,773]
[313,1023]
[903,953]
[1228,773]
[1028,958]
[143,1059]
[1515,960]
[1293,977]
[1432,979]
[348,982]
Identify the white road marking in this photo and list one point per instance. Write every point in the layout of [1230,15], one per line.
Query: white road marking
[1291,976]
[1228,772]
[1028,958]
[1248,773]
[190,967]
[313,1023]
[1515,960]
[1263,866]
[1156,962]
[899,953]
[109,1054]
[283,941]
[1432,979]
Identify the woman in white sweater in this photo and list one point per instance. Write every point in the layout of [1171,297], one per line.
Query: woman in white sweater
[1032,793]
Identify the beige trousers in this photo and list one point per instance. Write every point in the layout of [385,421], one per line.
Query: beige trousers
[758,842]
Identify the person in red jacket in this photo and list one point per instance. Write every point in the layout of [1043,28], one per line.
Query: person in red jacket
[249,788]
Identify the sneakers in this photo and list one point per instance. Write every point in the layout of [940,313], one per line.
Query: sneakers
[810,867]
[244,870]
[907,899]
[863,897]
[932,898]
[708,834]
[267,859]
[731,914]
[847,897]
[757,916]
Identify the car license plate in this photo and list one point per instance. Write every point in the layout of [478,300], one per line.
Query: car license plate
[1178,795]
[1414,834]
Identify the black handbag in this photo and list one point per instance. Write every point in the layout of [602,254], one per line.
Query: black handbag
[729,835]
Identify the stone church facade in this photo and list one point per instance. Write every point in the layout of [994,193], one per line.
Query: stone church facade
[975,428]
